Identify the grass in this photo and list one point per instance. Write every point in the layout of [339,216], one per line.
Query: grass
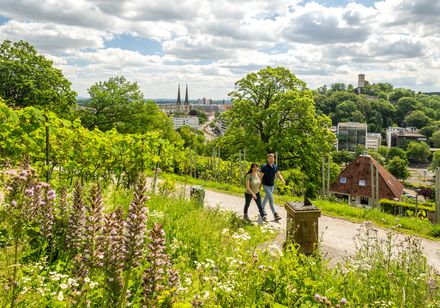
[223,262]
[408,225]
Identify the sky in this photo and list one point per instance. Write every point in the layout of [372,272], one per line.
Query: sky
[209,45]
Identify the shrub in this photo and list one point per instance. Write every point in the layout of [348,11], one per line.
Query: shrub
[435,232]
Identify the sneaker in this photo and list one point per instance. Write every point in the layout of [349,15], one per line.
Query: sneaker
[264,218]
[276,217]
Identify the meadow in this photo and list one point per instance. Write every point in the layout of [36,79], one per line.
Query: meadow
[86,245]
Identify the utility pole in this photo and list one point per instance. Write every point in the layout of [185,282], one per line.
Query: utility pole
[437,196]
[328,176]
[323,176]
[373,182]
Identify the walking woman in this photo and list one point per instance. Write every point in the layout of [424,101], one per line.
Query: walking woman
[253,186]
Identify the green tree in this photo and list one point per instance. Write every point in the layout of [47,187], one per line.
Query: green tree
[398,167]
[428,130]
[200,114]
[435,161]
[418,152]
[120,104]
[29,79]
[435,138]
[192,138]
[383,151]
[396,152]
[342,157]
[417,119]
[404,106]
[274,111]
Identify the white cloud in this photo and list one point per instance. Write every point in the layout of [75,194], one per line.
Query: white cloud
[212,44]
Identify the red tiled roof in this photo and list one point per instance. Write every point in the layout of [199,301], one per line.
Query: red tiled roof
[360,170]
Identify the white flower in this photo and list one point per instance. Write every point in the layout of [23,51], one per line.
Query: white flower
[93,284]
[87,279]
[60,296]
[63,286]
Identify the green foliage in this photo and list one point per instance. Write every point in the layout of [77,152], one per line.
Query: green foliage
[203,117]
[193,138]
[435,161]
[219,261]
[117,103]
[418,152]
[76,152]
[343,156]
[417,119]
[383,151]
[29,79]
[397,207]
[398,167]
[273,111]
[435,232]
[396,152]
[435,138]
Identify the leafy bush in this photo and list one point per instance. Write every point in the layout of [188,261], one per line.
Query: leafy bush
[396,207]
[435,232]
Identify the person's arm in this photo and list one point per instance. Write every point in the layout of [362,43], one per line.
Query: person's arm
[280,177]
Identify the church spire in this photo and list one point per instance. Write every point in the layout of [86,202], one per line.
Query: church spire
[186,95]
[178,102]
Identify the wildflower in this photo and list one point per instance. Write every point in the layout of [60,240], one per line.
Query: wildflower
[63,286]
[343,301]
[60,296]
[135,226]
[318,297]
[51,194]
[87,279]
[29,192]
[92,284]
[14,203]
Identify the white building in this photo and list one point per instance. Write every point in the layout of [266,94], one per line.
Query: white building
[188,120]
[351,134]
[373,141]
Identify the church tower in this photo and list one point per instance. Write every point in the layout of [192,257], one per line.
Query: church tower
[186,96]
[178,102]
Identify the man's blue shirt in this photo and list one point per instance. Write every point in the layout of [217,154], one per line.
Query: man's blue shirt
[269,174]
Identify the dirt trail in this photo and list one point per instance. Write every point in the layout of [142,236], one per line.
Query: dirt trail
[337,234]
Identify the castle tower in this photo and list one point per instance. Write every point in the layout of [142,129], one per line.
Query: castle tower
[186,96]
[178,102]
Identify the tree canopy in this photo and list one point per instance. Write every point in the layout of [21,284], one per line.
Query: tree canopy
[273,111]
[117,103]
[29,79]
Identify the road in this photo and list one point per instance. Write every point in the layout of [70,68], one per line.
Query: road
[337,234]
[209,135]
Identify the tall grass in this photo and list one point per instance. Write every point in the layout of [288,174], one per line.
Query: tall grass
[184,255]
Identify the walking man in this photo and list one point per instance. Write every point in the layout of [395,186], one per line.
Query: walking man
[268,173]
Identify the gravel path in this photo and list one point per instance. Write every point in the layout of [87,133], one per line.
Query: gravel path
[337,234]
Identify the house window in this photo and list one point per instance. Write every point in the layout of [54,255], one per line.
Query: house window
[343,180]
[362,183]
[364,200]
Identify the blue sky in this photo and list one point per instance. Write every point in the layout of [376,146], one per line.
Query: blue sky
[209,45]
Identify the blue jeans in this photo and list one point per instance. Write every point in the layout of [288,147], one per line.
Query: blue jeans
[248,199]
[269,195]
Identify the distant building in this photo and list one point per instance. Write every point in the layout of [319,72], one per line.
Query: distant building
[209,109]
[220,127]
[188,120]
[401,136]
[357,184]
[373,141]
[351,134]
